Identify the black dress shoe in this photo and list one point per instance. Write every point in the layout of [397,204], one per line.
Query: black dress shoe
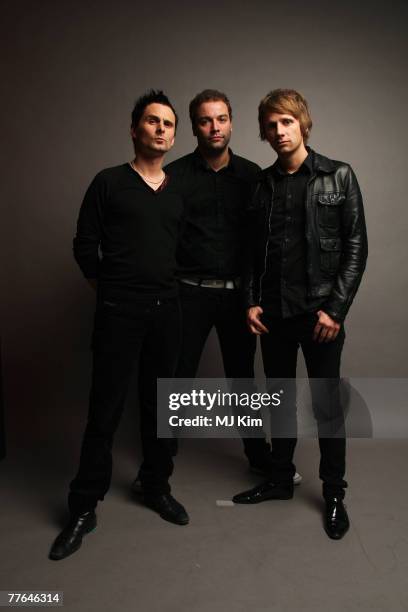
[336,521]
[264,491]
[168,508]
[70,538]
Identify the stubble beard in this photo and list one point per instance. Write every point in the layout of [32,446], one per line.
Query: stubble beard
[212,151]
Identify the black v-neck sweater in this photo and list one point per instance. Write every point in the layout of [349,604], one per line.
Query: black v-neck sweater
[127,235]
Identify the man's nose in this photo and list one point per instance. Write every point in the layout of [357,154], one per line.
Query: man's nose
[160,127]
[215,126]
[280,129]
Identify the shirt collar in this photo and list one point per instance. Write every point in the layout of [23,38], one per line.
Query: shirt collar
[200,162]
[307,166]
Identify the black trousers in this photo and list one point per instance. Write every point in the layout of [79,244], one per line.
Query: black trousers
[279,352]
[202,309]
[143,333]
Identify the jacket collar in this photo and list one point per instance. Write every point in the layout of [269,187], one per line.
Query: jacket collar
[319,164]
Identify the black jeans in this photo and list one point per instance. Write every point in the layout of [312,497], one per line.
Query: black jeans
[279,352]
[202,309]
[144,333]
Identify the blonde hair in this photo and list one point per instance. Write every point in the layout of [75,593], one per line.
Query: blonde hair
[285,101]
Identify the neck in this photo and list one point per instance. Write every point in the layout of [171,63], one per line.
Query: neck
[150,166]
[216,159]
[292,162]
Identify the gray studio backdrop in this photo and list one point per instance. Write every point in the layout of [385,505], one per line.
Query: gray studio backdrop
[70,74]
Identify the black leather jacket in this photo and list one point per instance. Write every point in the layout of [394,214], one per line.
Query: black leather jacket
[335,232]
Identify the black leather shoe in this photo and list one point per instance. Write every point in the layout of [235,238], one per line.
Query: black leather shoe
[264,491]
[70,538]
[336,521]
[168,508]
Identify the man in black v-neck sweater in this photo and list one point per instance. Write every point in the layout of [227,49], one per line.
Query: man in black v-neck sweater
[137,229]
[125,246]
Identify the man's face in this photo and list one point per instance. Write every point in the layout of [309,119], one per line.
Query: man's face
[283,133]
[154,134]
[212,126]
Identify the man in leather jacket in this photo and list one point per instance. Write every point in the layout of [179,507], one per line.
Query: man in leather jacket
[307,253]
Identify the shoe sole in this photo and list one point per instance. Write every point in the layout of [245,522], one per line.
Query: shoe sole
[259,501]
[186,522]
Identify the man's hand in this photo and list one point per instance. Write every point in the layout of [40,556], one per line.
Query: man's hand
[253,321]
[326,329]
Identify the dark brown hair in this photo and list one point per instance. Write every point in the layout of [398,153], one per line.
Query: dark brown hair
[208,95]
[151,97]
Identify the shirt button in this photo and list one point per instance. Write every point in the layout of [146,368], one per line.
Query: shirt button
[288,218]
[289,197]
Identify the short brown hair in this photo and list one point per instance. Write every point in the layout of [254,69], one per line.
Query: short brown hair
[208,95]
[285,101]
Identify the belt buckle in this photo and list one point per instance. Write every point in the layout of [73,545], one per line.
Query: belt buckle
[213,282]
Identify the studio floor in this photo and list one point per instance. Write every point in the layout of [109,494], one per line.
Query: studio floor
[271,556]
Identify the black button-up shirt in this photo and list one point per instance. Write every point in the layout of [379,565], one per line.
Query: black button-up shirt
[284,285]
[215,223]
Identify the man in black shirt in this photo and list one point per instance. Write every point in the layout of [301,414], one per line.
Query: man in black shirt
[131,213]
[217,185]
[308,254]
